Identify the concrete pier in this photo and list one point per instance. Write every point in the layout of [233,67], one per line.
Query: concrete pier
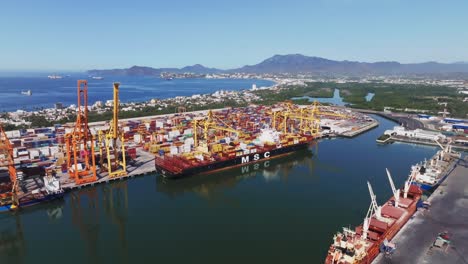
[448,213]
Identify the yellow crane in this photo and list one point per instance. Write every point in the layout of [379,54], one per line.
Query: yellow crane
[113,139]
[308,121]
[210,122]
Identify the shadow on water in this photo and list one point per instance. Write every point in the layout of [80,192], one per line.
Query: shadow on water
[277,169]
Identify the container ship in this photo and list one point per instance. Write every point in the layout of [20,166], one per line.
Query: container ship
[269,144]
[51,191]
[381,224]
[430,174]
[232,137]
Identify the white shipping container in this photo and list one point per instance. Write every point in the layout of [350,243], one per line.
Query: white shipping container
[137,138]
[159,124]
[189,141]
[253,150]
[173,150]
[45,151]
[188,131]
[34,153]
[228,140]
[53,150]
[246,151]
[187,148]
[126,129]
[243,145]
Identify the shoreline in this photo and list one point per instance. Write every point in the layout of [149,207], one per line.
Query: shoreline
[50,106]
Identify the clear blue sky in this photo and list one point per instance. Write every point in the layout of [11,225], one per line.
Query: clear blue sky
[85,34]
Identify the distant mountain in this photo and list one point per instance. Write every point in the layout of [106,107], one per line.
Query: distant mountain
[148,71]
[297,63]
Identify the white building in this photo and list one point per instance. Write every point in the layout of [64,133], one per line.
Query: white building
[416,134]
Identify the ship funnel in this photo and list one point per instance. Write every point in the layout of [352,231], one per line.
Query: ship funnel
[396,193]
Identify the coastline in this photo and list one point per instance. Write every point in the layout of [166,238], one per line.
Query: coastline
[29,107]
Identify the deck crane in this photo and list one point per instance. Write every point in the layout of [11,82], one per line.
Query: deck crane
[210,122]
[396,193]
[80,142]
[8,192]
[113,139]
[377,209]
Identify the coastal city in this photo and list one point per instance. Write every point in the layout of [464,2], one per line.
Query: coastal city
[213,132]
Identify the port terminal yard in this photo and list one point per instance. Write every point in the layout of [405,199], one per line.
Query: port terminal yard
[419,240]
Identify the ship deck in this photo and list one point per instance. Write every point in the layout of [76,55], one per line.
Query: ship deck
[448,212]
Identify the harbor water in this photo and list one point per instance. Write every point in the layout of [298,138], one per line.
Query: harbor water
[284,210]
[46,92]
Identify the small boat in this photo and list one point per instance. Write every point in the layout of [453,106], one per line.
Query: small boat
[28,92]
[54,76]
[97,77]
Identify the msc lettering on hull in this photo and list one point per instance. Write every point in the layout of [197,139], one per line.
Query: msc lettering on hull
[256,157]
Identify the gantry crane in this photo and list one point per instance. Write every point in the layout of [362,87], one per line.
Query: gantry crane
[113,141]
[8,192]
[80,142]
[308,122]
[210,122]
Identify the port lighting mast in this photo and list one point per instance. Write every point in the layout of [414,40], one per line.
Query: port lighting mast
[10,194]
[113,139]
[81,161]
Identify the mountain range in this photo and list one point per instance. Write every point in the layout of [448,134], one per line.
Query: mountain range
[298,63]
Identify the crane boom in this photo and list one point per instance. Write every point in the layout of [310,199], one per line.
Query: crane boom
[396,193]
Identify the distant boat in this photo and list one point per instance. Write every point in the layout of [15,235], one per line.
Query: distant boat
[28,92]
[54,76]
[97,77]
[169,79]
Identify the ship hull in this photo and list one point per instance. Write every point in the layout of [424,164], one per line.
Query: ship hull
[433,187]
[230,163]
[32,202]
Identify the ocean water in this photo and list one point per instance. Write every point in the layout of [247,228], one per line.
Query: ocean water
[281,211]
[46,92]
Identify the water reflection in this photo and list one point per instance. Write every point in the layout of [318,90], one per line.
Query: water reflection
[12,242]
[336,99]
[278,169]
[86,207]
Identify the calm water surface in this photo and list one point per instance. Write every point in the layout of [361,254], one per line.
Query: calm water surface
[46,92]
[279,211]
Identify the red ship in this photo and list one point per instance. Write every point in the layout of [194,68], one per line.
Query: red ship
[381,224]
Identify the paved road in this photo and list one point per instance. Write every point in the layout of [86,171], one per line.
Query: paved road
[449,212]
[404,120]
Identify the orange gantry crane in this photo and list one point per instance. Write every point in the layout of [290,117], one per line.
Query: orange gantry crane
[80,142]
[8,191]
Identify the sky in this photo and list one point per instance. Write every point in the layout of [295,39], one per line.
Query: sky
[80,35]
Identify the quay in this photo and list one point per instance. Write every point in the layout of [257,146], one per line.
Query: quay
[422,142]
[416,241]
